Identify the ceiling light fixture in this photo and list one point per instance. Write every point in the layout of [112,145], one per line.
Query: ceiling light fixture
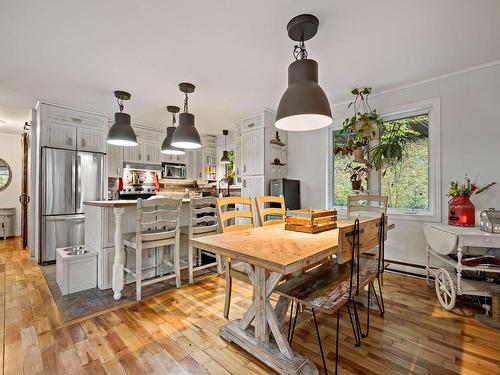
[225,157]
[121,133]
[166,146]
[186,135]
[304,105]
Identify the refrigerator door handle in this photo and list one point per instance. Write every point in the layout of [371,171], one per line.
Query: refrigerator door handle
[78,185]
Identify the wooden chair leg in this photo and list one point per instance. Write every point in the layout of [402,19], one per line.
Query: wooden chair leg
[227,300]
[190,263]
[219,264]
[138,272]
[177,261]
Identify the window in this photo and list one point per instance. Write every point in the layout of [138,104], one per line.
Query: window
[407,183]
[413,186]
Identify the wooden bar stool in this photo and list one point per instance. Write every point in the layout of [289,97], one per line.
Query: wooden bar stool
[241,218]
[157,227]
[270,215]
[203,221]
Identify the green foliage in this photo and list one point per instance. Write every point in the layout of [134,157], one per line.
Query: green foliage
[465,189]
[230,173]
[395,137]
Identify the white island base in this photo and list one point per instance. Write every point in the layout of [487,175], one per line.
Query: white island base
[105,223]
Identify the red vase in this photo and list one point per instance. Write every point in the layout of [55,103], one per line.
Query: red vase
[461,212]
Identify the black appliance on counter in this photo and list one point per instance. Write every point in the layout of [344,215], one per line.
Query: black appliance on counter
[290,189]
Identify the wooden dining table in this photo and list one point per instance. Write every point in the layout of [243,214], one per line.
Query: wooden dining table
[269,254]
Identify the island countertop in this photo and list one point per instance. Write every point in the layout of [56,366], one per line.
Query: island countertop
[120,203]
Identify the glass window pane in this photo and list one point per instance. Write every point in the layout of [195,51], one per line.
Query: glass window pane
[341,179]
[407,183]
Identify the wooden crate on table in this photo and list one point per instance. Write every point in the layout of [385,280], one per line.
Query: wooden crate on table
[310,220]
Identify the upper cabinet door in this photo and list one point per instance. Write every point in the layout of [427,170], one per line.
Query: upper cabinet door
[114,159]
[57,135]
[252,152]
[91,140]
[133,154]
[68,116]
[151,152]
[252,123]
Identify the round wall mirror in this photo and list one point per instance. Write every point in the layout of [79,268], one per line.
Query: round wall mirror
[5,174]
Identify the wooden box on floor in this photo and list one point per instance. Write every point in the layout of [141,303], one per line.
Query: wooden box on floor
[310,220]
[75,273]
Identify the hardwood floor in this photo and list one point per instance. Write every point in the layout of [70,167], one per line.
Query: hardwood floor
[177,332]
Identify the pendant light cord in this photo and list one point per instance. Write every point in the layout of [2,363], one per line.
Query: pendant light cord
[120,104]
[299,50]
[186,102]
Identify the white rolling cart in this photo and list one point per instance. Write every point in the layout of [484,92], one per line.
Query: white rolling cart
[446,240]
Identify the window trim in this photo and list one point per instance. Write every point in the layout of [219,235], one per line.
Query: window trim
[431,106]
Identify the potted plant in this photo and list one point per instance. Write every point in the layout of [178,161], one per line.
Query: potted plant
[356,175]
[461,210]
[394,139]
[362,127]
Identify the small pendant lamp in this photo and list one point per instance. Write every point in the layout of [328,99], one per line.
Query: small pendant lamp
[225,157]
[166,146]
[121,132]
[304,105]
[186,135]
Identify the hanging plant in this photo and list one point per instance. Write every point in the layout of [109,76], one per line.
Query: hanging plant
[362,127]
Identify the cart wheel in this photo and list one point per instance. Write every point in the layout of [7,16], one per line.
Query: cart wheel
[445,289]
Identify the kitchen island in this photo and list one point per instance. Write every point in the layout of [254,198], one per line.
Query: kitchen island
[106,221]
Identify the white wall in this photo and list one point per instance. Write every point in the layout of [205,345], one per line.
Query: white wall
[470,143]
[11,152]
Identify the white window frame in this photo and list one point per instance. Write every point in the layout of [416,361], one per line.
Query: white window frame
[431,106]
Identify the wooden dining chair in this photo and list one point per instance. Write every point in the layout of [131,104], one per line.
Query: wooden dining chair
[203,221]
[373,205]
[332,285]
[269,214]
[158,226]
[235,214]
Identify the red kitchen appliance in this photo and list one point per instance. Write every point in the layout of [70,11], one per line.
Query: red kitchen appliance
[461,212]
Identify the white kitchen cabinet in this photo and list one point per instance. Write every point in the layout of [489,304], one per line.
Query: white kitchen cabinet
[71,117]
[93,140]
[114,160]
[57,135]
[148,149]
[252,186]
[194,165]
[252,152]
[151,152]
[7,222]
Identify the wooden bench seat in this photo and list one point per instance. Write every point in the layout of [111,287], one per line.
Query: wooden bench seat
[326,287]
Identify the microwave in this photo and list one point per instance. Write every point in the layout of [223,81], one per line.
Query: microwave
[173,170]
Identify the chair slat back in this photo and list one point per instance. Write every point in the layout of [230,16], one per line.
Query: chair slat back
[245,214]
[203,216]
[266,213]
[375,204]
[368,238]
[158,218]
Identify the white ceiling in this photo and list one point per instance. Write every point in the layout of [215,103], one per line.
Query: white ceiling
[236,52]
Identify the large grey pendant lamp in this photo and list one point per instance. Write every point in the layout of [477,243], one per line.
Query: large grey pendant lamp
[186,135]
[121,132]
[166,146]
[304,105]
[225,157]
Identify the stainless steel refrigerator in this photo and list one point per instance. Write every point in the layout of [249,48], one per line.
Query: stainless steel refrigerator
[68,179]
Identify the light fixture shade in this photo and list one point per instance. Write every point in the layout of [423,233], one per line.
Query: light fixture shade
[304,105]
[121,132]
[166,146]
[186,135]
[225,158]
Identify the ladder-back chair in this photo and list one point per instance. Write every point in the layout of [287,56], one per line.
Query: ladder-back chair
[270,215]
[203,221]
[234,220]
[158,226]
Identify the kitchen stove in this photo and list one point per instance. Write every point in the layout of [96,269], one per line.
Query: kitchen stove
[134,192]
